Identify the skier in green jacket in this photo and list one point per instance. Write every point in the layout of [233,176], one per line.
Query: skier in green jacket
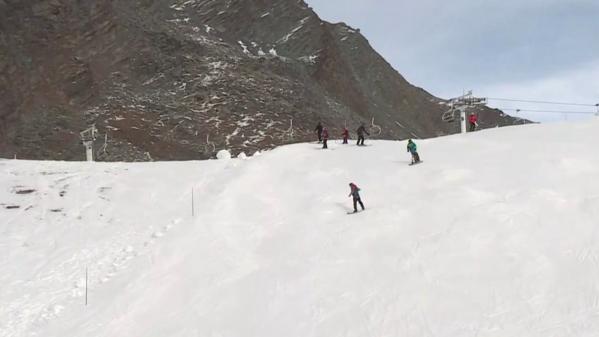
[412,148]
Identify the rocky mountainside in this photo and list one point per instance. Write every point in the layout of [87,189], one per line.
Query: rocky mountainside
[180,79]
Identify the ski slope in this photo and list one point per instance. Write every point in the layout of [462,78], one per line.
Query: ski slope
[495,234]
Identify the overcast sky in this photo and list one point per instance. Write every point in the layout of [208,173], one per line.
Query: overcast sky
[517,49]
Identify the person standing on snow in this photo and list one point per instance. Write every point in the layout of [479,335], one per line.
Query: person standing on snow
[355,193]
[325,138]
[345,135]
[361,131]
[318,131]
[413,151]
[472,119]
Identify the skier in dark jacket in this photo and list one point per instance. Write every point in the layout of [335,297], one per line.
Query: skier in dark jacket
[413,151]
[355,193]
[318,131]
[361,131]
[325,138]
[345,135]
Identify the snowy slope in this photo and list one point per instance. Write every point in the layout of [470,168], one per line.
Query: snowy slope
[495,234]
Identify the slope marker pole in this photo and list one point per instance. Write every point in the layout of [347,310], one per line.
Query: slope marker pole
[86,285]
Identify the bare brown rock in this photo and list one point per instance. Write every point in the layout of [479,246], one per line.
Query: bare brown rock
[178,79]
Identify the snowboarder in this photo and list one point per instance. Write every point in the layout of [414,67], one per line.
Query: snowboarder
[473,121]
[325,138]
[345,135]
[413,151]
[355,193]
[361,131]
[318,131]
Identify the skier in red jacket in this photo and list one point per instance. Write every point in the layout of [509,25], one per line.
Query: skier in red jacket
[473,122]
[325,138]
[355,193]
[345,135]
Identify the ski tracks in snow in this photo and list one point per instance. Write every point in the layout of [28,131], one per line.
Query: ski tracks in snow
[76,221]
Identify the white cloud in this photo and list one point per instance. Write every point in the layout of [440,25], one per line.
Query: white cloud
[543,49]
[579,85]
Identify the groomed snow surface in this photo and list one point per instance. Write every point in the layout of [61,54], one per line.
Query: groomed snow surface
[495,234]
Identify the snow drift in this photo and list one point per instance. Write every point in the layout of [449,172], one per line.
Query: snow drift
[494,235]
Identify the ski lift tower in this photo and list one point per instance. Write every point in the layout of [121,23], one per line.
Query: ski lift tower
[461,104]
[88,137]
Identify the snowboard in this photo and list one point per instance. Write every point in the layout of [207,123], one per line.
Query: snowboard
[420,162]
[352,212]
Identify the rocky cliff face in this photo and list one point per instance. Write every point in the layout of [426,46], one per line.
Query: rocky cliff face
[180,79]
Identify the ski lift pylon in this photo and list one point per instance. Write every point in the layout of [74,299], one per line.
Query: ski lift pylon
[88,136]
[459,105]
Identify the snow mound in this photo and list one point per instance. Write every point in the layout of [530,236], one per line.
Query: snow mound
[495,234]
[223,154]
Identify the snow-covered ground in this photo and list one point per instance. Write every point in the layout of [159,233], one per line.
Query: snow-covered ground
[495,234]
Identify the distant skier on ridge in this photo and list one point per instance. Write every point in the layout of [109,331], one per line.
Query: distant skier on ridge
[412,148]
[345,135]
[355,193]
[318,131]
[325,138]
[361,131]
